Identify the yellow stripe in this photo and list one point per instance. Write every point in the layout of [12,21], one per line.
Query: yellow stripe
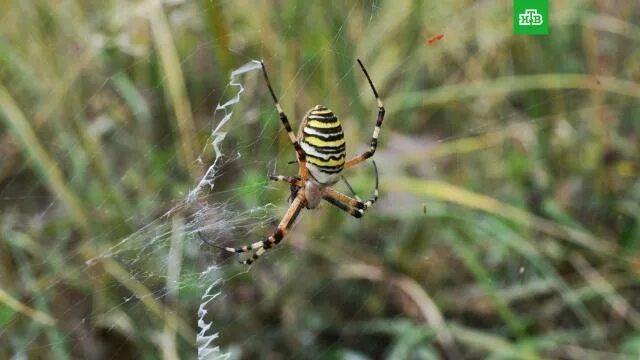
[324,125]
[321,162]
[312,140]
[321,112]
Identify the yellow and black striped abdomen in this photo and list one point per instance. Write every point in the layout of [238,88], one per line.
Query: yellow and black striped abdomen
[322,140]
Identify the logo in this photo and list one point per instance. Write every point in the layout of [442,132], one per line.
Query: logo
[531,17]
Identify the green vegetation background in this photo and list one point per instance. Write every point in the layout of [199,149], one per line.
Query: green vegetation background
[508,225]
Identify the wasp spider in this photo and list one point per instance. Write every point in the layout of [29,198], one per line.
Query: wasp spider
[321,153]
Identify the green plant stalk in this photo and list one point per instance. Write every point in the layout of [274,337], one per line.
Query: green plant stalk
[176,88]
[460,196]
[42,162]
[512,84]
[469,257]
[55,333]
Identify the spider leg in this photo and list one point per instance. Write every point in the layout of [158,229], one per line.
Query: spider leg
[376,131]
[374,195]
[295,184]
[295,181]
[285,122]
[353,207]
[356,213]
[345,199]
[261,247]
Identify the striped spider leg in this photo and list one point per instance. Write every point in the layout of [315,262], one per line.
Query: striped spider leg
[376,131]
[321,152]
[301,156]
[353,206]
[260,247]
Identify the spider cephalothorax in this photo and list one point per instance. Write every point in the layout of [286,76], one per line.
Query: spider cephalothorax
[321,154]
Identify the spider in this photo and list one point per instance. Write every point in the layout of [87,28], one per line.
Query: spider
[320,149]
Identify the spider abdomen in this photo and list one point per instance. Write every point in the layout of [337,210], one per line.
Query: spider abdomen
[322,139]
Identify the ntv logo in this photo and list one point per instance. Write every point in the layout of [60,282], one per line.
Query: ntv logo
[530,17]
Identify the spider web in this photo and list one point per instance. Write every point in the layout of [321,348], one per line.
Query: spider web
[233,203]
[205,220]
[205,337]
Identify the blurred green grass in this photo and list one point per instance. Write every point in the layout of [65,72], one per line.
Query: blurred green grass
[509,222]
